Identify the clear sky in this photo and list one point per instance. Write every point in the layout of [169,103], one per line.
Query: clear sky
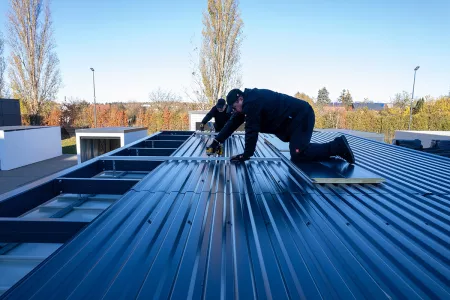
[368,47]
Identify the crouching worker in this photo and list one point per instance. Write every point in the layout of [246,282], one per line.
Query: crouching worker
[290,119]
[219,113]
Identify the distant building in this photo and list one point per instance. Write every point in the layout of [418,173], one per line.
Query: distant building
[370,106]
[357,105]
[10,112]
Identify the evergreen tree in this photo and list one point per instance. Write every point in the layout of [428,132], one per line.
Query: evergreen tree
[323,98]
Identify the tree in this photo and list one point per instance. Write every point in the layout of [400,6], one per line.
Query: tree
[401,100]
[366,100]
[418,106]
[2,68]
[345,98]
[34,72]
[220,53]
[323,98]
[304,97]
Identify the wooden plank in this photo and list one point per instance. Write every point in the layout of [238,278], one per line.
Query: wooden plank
[334,170]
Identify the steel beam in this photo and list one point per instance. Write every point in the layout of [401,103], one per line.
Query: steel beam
[128,166]
[148,151]
[94,185]
[178,158]
[86,171]
[24,201]
[216,133]
[159,144]
[169,137]
[18,230]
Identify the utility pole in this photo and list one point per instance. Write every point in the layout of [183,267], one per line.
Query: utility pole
[95,105]
[412,98]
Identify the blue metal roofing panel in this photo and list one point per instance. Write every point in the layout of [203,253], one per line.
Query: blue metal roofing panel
[212,229]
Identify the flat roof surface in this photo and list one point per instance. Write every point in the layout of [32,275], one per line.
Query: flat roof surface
[110,130]
[17,128]
[12,179]
[216,230]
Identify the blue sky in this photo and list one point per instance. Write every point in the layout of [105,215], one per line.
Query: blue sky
[368,47]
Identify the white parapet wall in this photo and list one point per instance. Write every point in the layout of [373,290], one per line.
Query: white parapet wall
[24,145]
[424,136]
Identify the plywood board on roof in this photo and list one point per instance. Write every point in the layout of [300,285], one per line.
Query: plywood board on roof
[334,170]
[337,170]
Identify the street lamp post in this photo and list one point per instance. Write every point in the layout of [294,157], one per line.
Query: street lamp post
[95,105]
[412,98]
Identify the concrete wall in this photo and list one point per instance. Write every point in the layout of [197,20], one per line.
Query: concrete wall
[424,136]
[24,147]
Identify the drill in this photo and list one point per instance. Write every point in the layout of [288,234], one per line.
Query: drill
[214,148]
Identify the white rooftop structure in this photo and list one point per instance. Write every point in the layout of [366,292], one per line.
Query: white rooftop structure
[424,136]
[93,142]
[196,116]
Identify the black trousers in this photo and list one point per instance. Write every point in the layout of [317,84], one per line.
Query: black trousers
[300,145]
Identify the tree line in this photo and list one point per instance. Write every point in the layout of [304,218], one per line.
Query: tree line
[428,113]
[162,113]
[154,115]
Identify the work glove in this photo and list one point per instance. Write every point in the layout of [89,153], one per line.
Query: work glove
[213,147]
[239,158]
[202,127]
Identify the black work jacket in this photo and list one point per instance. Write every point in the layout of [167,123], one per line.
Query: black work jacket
[220,117]
[265,111]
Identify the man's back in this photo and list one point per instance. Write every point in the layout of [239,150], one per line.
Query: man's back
[273,109]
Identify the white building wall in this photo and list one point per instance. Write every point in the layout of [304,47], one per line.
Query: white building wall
[23,147]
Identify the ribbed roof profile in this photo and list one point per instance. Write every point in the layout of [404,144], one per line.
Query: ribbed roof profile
[212,229]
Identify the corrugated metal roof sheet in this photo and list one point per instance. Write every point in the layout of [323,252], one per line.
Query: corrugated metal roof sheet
[212,230]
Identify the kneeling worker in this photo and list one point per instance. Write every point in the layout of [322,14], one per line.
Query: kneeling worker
[290,119]
[219,113]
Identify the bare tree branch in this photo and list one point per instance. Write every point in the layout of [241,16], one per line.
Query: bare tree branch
[34,72]
[161,95]
[2,68]
[218,69]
